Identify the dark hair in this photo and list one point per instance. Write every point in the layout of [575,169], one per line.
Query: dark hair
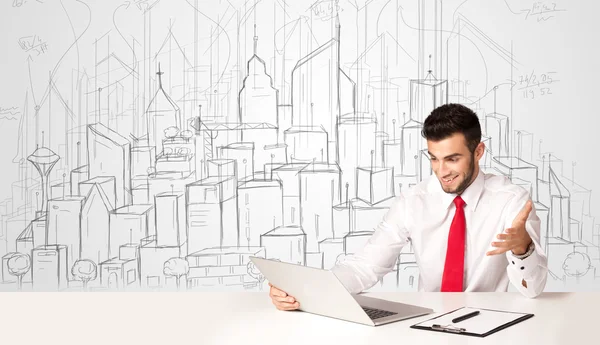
[449,119]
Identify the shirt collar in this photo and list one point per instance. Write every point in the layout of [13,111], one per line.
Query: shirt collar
[470,195]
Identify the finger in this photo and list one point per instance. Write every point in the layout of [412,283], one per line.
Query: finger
[286,306]
[511,230]
[276,292]
[525,211]
[295,306]
[281,306]
[505,237]
[496,251]
[288,299]
[289,306]
[505,244]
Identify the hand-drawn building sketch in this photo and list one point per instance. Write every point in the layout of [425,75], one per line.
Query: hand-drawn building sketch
[159,144]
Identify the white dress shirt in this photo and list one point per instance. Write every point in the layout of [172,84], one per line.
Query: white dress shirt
[422,216]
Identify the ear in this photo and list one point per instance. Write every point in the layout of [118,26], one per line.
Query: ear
[479,151]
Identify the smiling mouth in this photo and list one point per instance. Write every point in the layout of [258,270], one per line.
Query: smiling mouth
[450,180]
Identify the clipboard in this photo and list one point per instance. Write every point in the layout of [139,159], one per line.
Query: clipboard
[488,321]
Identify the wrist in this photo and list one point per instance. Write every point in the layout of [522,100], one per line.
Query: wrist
[520,250]
[522,254]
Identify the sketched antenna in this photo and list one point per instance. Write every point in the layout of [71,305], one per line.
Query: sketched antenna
[43,159]
[347,187]
[159,74]
[349,208]
[429,70]
[255,36]
[430,76]
[495,89]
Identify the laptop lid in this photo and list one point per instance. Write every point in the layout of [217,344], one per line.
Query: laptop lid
[318,291]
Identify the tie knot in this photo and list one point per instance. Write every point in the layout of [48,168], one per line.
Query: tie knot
[459,202]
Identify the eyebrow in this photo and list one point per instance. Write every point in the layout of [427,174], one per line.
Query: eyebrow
[447,157]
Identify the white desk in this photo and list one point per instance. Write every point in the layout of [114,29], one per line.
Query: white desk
[249,318]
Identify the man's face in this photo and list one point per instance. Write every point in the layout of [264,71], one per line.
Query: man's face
[453,164]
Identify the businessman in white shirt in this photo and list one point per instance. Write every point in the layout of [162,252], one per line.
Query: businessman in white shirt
[470,231]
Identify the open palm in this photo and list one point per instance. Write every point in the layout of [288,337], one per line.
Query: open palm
[516,237]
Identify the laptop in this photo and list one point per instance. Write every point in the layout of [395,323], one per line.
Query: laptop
[320,292]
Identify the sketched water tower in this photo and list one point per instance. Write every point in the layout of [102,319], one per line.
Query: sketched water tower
[43,159]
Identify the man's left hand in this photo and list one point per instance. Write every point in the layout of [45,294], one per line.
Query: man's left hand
[516,237]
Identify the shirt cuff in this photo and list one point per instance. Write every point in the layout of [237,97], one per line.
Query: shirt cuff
[526,267]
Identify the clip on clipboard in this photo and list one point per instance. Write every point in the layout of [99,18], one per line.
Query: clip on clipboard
[486,322]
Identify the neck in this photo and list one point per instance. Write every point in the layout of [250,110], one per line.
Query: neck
[475,174]
[473,177]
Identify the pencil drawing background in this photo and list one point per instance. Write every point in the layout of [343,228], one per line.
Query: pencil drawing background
[159,144]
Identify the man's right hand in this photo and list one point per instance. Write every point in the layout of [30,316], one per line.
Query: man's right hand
[281,300]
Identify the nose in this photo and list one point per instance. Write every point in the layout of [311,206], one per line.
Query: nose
[443,169]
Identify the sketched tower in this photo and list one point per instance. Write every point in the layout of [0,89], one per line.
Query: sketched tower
[258,99]
[258,112]
[43,159]
[161,114]
[321,94]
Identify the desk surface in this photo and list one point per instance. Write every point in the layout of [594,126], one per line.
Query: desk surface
[249,318]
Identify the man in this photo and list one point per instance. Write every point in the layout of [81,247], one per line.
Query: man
[469,231]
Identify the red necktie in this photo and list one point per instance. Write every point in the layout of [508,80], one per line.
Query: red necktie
[452,279]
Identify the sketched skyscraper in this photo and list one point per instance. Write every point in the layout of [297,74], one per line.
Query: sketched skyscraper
[212,208]
[64,226]
[43,159]
[258,116]
[110,156]
[258,99]
[161,114]
[321,91]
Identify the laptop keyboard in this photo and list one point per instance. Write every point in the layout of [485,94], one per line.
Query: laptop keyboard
[377,313]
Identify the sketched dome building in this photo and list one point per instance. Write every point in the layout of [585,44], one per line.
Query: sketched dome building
[43,156]
[162,113]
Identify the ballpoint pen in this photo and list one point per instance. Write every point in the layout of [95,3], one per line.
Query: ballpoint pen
[466,316]
[448,328]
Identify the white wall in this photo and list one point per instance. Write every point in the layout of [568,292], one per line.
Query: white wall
[70,64]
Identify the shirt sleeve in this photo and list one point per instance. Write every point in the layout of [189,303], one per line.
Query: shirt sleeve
[363,269]
[533,269]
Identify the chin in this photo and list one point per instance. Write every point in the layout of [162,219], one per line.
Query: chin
[451,189]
